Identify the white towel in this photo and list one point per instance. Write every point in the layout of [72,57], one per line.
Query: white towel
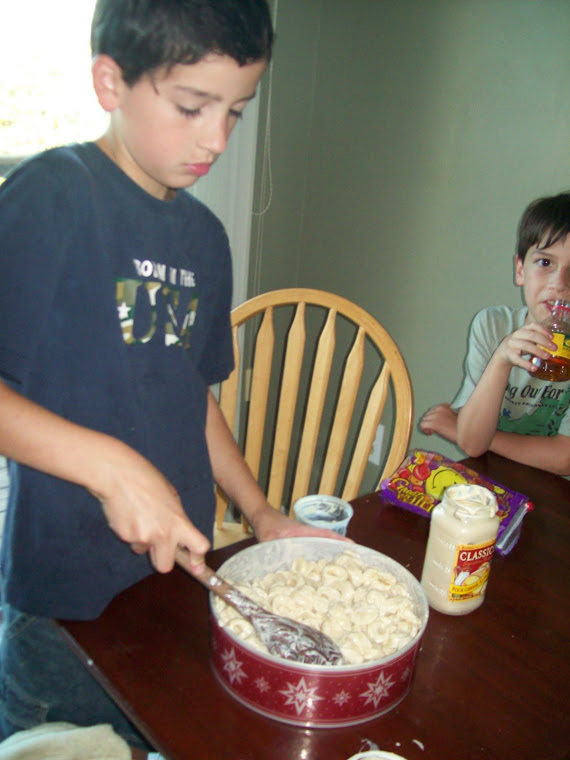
[64,741]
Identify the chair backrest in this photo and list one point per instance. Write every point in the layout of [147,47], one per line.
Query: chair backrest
[301,413]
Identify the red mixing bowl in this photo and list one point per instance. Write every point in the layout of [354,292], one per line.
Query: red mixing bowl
[317,696]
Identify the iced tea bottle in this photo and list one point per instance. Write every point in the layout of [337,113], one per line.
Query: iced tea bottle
[557,367]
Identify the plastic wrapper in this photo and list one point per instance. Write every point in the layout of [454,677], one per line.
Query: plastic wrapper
[420,481]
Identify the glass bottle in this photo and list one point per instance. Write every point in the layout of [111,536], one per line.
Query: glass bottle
[557,367]
[461,544]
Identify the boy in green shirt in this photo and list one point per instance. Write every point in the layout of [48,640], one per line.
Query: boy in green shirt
[501,406]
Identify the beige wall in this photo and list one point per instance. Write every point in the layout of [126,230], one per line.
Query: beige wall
[407,136]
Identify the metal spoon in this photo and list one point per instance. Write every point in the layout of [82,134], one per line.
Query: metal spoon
[282,636]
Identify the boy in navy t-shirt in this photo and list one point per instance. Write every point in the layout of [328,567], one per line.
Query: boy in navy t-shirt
[114,320]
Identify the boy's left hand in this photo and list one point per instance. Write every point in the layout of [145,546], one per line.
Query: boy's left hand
[440,419]
[271,524]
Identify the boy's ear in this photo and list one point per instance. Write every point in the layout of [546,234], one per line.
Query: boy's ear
[107,81]
[519,271]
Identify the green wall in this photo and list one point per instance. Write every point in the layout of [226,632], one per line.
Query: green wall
[407,136]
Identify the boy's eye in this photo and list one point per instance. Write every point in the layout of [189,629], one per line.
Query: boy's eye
[543,262]
[189,112]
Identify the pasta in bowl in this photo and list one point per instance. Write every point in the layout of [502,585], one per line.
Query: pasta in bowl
[370,605]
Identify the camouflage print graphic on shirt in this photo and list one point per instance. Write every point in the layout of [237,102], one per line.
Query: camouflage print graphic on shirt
[162,307]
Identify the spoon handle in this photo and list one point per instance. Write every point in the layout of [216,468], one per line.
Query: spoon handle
[215,583]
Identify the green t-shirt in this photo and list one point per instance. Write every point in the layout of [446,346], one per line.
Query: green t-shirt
[530,406]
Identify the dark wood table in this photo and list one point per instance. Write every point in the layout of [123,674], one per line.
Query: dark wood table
[494,684]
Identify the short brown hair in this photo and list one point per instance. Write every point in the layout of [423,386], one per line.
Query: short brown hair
[546,221]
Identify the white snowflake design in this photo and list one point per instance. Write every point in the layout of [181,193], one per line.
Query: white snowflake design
[232,666]
[341,698]
[405,675]
[300,696]
[378,689]
[262,684]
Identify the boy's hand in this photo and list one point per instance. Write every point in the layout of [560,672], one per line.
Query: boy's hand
[270,524]
[144,510]
[518,348]
[140,505]
[440,419]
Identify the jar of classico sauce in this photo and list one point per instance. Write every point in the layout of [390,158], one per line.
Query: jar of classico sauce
[460,548]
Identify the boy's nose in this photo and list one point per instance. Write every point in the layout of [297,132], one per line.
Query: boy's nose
[214,137]
[563,280]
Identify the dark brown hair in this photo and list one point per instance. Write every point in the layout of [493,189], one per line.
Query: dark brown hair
[544,222]
[144,35]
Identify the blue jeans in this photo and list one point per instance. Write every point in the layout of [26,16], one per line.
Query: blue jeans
[41,680]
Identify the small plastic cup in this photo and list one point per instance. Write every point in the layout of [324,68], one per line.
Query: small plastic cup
[324,512]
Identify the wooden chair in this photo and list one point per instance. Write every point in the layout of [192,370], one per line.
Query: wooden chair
[306,410]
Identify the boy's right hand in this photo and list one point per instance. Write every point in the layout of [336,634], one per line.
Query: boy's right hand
[519,348]
[140,505]
[144,510]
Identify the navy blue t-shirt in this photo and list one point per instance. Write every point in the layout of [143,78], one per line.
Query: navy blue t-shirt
[114,313]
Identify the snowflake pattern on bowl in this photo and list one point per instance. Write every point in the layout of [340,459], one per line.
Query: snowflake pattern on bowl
[306,696]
